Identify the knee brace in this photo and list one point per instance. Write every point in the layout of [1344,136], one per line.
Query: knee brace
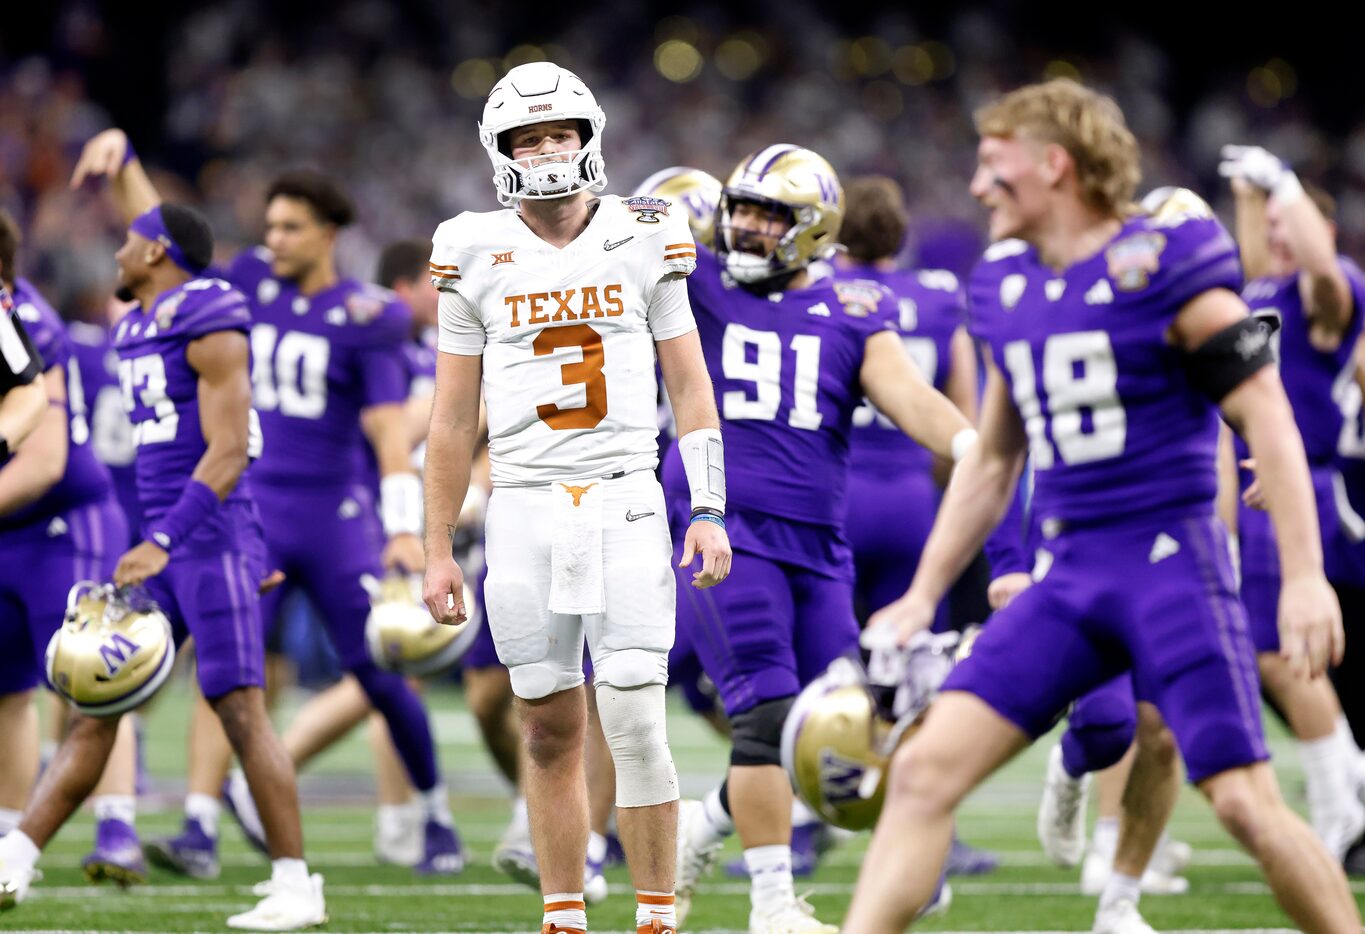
[633,723]
[756,734]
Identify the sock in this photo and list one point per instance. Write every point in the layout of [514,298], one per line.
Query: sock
[1330,794]
[407,719]
[1106,838]
[115,807]
[566,910]
[1120,887]
[597,847]
[204,809]
[392,819]
[16,849]
[718,824]
[801,814]
[651,905]
[9,820]
[521,817]
[770,876]
[1351,752]
[436,805]
[289,873]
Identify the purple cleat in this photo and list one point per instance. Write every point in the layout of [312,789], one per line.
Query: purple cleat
[966,860]
[194,853]
[444,853]
[117,855]
[616,853]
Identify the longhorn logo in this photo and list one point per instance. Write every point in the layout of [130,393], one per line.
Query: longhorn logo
[577,491]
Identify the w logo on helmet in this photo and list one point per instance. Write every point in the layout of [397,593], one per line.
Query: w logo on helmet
[829,188]
[840,778]
[116,652]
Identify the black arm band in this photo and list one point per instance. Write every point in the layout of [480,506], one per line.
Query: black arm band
[707,511]
[1226,360]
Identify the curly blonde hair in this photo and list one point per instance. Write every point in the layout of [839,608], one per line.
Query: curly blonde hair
[1087,124]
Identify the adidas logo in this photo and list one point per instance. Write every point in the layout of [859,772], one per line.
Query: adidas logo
[1101,293]
[1162,548]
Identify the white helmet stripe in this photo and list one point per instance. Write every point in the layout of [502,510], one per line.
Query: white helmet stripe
[763,159]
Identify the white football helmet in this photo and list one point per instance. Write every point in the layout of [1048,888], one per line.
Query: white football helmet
[541,92]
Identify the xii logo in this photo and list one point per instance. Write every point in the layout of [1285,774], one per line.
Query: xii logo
[500,258]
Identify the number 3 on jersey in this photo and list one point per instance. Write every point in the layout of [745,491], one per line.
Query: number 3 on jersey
[1080,376]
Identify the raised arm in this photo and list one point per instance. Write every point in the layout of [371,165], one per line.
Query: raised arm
[110,154]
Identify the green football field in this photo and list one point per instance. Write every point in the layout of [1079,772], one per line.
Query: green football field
[1026,894]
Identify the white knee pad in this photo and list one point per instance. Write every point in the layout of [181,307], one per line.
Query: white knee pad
[541,679]
[633,722]
[631,668]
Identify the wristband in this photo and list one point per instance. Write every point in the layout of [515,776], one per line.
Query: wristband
[708,517]
[400,504]
[703,457]
[962,443]
[196,504]
[129,154]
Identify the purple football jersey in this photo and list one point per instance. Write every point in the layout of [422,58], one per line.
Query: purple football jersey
[1310,375]
[786,373]
[929,308]
[317,362]
[95,360]
[161,392]
[85,479]
[1115,428]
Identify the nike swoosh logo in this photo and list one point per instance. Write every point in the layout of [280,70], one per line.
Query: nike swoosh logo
[632,516]
[609,245]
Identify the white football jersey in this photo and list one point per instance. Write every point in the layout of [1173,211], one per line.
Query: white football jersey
[567,335]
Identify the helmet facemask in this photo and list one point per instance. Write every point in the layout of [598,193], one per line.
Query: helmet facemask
[741,247]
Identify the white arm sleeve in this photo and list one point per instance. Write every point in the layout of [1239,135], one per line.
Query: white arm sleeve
[670,312]
[461,330]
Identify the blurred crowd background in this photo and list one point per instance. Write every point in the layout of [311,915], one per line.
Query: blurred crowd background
[218,97]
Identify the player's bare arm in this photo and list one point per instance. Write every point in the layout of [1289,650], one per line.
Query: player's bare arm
[1250,228]
[1310,618]
[109,154]
[222,361]
[694,408]
[21,409]
[38,464]
[897,388]
[973,504]
[450,452]
[400,491]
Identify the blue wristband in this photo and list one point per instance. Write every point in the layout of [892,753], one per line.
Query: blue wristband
[129,154]
[708,517]
[197,503]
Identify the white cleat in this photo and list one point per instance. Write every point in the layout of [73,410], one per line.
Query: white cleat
[1341,831]
[1096,869]
[1122,917]
[401,843]
[14,883]
[1061,815]
[942,901]
[594,885]
[694,861]
[795,917]
[284,909]
[1171,857]
[515,856]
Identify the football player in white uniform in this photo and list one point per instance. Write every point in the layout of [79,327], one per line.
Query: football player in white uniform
[560,306]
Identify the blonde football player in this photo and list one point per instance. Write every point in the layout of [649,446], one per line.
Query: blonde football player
[560,306]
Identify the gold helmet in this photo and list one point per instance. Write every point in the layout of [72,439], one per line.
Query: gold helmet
[843,729]
[401,634]
[112,652]
[695,190]
[788,179]
[1170,204]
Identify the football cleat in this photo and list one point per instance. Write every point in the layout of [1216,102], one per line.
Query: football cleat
[117,855]
[541,92]
[694,860]
[1097,867]
[1171,856]
[285,909]
[966,860]
[697,191]
[795,917]
[594,883]
[237,800]
[1061,814]
[193,853]
[793,181]
[515,856]
[443,853]
[113,651]
[655,926]
[551,928]
[402,636]
[1121,917]
[941,901]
